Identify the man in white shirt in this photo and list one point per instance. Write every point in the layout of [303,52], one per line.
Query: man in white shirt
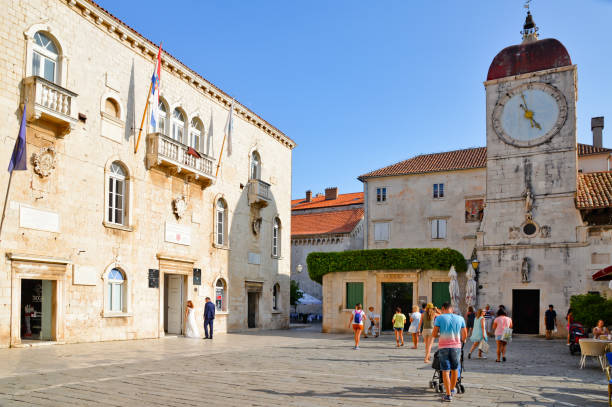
[373,323]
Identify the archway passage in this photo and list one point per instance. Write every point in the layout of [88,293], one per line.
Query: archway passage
[395,295]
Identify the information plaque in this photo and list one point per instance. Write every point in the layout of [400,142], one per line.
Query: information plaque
[197,276]
[153,278]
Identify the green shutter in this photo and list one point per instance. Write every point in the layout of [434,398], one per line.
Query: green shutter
[354,294]
[439,294]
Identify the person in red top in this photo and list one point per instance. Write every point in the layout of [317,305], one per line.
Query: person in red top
[570,321]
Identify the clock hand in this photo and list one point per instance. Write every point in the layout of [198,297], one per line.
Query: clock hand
[524,101]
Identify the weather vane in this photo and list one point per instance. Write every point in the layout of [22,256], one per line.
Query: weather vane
[527,4]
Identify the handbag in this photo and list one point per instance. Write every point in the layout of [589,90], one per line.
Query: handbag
[507,335]
[483,346]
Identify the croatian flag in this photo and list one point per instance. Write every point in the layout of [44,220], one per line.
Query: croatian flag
[18,159]
[155,90]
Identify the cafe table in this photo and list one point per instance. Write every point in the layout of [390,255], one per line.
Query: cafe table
[596,348]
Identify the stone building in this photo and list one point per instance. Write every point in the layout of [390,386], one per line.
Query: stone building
[102,243]
[533,206]
[325,223]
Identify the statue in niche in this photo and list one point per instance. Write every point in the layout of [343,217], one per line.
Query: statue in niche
[525,270]
[528,203]
[256,226]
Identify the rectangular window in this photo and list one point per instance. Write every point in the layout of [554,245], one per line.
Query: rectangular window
[275,241]
[115,200]
[438,191]
[354,294]
[115,297]
[381,231]
[438,229]
[381,194]
[220,236]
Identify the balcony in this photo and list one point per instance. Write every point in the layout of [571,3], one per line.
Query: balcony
[259,193]
[164,152]
[48,102]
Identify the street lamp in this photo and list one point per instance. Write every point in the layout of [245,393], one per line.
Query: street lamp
[299,268]
[475,263]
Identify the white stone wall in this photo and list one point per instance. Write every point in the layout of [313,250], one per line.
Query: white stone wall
[103,61]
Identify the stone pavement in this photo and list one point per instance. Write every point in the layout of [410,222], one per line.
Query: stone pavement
[298,367]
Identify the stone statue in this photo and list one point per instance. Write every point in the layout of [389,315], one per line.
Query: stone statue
[525,269]
[528,202]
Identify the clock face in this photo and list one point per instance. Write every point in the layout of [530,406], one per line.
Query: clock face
[529,114]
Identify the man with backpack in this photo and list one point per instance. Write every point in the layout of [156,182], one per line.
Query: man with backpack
[356,322]
[452,333]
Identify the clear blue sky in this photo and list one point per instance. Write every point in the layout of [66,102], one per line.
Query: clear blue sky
[361,85]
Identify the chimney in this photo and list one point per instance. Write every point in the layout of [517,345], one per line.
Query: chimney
[308,195]
[331,193]
[597,125]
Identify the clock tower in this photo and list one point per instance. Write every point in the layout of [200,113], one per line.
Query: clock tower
[529,230]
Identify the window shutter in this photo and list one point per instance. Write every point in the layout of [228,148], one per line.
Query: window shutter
[381,231]
[354,294]
[434,229]
[442,228]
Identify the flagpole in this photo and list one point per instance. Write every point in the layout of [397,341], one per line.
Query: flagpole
[8,188]
[144,114]
[220,156]
[229,124]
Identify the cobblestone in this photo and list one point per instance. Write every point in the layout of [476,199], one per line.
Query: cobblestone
[299,367]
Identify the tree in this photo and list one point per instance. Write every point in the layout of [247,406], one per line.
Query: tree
[589,308]
[295,293]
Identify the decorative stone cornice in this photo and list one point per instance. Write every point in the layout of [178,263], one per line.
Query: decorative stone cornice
[117,29]
[34,258]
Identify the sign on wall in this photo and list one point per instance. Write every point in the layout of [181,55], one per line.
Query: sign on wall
[179,234]
[84,275]
[153,278]
[197,276]
[36,219]
[474,209]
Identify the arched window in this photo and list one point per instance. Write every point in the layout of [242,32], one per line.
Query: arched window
[115,290]
[221,223]
[221,295]
[276,297]
[117,193]
[45,57]
[178,125]
[162,119]
[195,133]
[276,230]
[255,165]
[111,108]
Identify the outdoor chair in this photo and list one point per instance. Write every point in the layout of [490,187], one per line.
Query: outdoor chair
[609,375]
[591,348]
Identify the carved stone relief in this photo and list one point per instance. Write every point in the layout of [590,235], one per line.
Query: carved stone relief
[44,161]
[179,204]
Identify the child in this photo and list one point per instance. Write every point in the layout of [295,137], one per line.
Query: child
[399,320]
[357,318]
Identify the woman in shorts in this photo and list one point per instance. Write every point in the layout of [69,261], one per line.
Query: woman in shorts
[356,322]
[398,321]
[500,324]
[426,326]
[415,319]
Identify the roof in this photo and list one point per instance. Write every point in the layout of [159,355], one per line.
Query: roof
[320,223]
[353,198]
[529,57]
[119,21]
[454,160]
[594,190]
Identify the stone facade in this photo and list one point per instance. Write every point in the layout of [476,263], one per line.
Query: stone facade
[58,224]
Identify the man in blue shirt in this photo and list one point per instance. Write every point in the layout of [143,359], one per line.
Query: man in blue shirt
[451,330]
[209,317]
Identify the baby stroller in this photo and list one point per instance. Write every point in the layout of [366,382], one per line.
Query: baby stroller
[437,383]
[576,331]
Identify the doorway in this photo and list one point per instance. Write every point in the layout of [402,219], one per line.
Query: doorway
[37,309]
[173,303]
[526,311]
[253,305]
[440,293]
[395,295]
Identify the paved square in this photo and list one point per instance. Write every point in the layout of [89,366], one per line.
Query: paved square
[299,367]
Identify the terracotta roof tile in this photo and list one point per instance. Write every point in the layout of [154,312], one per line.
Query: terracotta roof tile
[454,160]
[320,202]
[320,223]
[594,190]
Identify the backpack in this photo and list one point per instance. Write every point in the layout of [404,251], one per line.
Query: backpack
[357,319]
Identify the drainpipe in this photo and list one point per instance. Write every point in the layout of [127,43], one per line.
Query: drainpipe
[365,214]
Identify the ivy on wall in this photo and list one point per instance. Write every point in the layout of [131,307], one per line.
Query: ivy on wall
[320,264]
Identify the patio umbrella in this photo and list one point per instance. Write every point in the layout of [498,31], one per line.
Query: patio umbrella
[308,299]
[453,288]
[470,288]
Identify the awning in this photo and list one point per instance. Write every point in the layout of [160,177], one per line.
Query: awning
[603,274]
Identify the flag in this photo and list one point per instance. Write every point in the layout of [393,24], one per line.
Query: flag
[18,159]
[210,139]
[155,90]
[229,128]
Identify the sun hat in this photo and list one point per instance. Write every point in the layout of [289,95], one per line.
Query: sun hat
[429,305]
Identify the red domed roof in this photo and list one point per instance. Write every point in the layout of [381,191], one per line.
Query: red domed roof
[529,57]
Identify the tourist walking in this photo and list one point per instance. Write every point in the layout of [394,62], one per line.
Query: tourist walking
[550,320]
[479,334]
[398,321]
[469,319]
[570,320]
[450,328]
[191,328]
[415,319]
[489,316]
[209,317]
[356,322]
[501,325]
[373,323]
[426,327]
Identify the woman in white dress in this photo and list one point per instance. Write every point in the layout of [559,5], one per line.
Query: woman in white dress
[191,328]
